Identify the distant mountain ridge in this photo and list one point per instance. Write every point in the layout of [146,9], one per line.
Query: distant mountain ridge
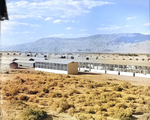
[119,43]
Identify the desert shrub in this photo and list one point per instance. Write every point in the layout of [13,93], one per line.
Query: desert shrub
[104,89]
[8,98]
[147,93]
[87,103]
[111,103]
[20,81]
[41,94]
[72,91]
[89,110]
[40,73]
[98,84]
[97,92]
[147,88]
[67,81]
[52,84]
[129,98]
[56,94]
[31,98]
[5,93]
[62,104]
[71,111]
[17,77]
[13,100]
[13,91]
[32,91]
[146,116]
[60,85]
[146,101]
[115,94]
[41,82]
[90,86]
[117,88]
[83,117]
[100,117]
[80,84]
[121,105]
[54,106]
[80,100]
[123,114]
[45,90]
[23,97]
[59,110]
[68,76]
[132,105]
[145,108]
[87,91]
[37,77]
[140,100]
[50,101]
[33,114]
[104,99]
[20,105]
[35,100]
[22,89]
[126,85]
[10,91]
[43,102]
[139,110]
[97,108]
[65,95]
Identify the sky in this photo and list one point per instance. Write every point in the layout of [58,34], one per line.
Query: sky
[31,20]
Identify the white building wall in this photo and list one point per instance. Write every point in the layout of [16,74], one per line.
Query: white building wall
[126,73]
[115,72]
[142,75]
[97,71]
[112,72]
[51,70]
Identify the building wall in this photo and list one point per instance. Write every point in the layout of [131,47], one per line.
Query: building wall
[51,70]
[28,65]
[13,65]
[129,70]
[51,67]
[73,68]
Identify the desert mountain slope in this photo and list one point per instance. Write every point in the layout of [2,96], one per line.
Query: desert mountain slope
[125,42]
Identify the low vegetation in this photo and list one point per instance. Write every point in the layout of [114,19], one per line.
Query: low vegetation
[33,114]
[78,96]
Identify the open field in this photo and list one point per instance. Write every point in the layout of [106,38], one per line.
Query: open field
[73,97]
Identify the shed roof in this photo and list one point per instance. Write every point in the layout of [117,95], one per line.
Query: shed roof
[13,63]
[24,61]
[59,61]
[118,62]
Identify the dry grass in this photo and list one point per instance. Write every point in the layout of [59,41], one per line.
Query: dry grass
[78,96]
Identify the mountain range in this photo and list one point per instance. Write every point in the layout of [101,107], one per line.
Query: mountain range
[112,43]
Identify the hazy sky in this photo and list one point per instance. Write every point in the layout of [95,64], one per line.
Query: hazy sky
[30,20]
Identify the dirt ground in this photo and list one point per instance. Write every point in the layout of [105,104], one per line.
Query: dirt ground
[95,77]
[99,78]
